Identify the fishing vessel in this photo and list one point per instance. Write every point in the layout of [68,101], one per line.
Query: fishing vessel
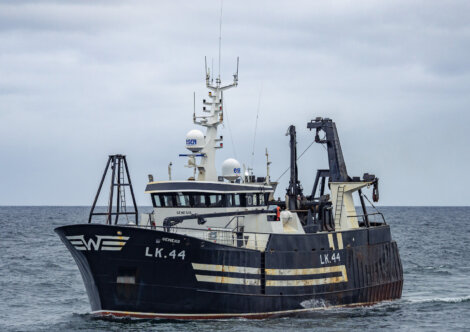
[219,245]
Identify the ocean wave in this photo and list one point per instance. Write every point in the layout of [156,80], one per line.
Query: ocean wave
[440,299]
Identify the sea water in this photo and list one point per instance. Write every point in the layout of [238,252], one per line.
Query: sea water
[41,288]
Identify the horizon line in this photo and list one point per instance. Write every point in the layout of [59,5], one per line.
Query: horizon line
[105,206]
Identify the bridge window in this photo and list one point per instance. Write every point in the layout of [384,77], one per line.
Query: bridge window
[156,200]
[256,199]
[233,200]
[199,200]
[182,199]
[168,200]
[216,200]
[237,200]
[251,199]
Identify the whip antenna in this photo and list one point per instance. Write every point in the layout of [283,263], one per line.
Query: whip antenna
[220,35]
[256,127]
[194,106]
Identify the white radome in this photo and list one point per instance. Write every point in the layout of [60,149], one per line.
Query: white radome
[195,140]
[231,169]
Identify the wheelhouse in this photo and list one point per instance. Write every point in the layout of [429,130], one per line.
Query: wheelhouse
[176,198]
[192,194]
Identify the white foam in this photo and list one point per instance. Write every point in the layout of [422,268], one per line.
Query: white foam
[314,304]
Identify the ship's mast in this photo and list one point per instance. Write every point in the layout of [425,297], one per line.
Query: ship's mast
[213,106]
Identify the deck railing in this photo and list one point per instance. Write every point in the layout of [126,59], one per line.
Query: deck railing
[370,219]
[219,235]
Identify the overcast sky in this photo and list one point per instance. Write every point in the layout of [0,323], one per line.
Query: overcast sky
[83,79]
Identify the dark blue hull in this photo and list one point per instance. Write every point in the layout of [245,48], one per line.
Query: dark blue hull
[130,271]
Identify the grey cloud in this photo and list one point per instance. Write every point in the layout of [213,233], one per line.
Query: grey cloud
[86,79]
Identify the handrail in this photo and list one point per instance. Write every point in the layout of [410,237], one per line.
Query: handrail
[232,219]
[223,236]
[164,228]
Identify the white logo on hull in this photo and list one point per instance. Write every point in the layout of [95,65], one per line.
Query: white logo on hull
[102,242]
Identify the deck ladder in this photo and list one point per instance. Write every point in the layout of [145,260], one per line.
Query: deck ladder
[339,205]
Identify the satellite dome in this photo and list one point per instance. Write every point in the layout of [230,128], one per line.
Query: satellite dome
[195,140]
[231,169]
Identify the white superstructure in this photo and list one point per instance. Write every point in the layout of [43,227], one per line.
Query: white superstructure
[243,201]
